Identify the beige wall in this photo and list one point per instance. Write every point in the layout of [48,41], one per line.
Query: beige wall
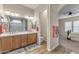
[1,9]
[19,9]
[53,20]
[61,29]
[61,26]
[39,10]
[43,22]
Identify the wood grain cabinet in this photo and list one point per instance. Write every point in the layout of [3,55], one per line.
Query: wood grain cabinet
[16,42]
[24,40]
[5,43]
[0,44]
[31,38]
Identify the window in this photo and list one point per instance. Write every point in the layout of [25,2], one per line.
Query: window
[76,26]
[68,26]
[72,25]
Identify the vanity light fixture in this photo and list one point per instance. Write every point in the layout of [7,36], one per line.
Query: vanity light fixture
[16,14]
[11,13]
[28,17]
[7,12]
[16,21]
[31,17]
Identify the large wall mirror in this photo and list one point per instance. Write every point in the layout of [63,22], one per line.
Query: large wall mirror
[13,24]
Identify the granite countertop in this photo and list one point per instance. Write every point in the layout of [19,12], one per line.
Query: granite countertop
[16,33]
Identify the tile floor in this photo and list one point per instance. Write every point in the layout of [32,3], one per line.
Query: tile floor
[70,44]
[66,47]
[59,50]
[42,50]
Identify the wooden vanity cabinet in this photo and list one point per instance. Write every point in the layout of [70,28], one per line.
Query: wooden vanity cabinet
[5,43]
[13,42]
[24,40]
[31,38]
[0,44]
[16,42]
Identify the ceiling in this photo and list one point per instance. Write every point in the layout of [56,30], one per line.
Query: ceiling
[32,6]
[69,7]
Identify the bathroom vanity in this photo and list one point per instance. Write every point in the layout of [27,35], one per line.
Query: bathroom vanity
[11,41]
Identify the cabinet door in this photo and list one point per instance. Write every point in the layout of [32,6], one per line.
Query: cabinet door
[16,40]
[0,44]
[24,40]
[6,43]
[31,38]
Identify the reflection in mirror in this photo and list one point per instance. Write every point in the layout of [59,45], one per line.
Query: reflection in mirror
[16,26]
[13,24]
